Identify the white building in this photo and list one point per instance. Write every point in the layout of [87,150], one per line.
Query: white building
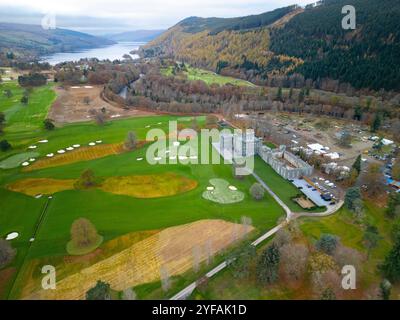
[241,145]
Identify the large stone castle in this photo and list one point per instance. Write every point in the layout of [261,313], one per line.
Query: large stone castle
[285,163]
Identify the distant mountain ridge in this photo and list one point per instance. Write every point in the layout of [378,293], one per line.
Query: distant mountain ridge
[216,25]
[135,36]
[294,41]
[33,40]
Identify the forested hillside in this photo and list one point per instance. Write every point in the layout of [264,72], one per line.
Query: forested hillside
[33,40]
[217,44]
[368,57]
[295,43]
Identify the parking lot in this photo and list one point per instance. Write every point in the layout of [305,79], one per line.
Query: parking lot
[315,192]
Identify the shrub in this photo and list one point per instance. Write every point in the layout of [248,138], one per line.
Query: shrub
[24,99]
[327,244]
[86,180]
[5,145]
[101,291]
[257,191]
[48,124]
[131,141]
[321,263]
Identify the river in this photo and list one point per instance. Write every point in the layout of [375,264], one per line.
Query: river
[112,52]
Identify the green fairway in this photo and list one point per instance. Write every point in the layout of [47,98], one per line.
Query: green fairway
[116,215]
[6,102]
[25,117]
[208,77]
[113,215]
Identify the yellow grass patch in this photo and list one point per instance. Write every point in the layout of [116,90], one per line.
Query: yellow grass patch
[171,249]
[149,186]
[146,187]
[66,266]
[81,154]
[35,186]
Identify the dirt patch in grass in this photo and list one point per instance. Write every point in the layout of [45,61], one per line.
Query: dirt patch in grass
[149,186]
[45,186]
[78,155]
[171,250]
[74,104]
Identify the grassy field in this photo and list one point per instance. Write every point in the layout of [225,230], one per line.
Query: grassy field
[208,77]
[114,215]
[25,117]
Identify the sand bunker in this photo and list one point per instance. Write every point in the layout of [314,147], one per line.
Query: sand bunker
[12,236]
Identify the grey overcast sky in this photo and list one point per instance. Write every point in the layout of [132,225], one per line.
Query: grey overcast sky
[110,16]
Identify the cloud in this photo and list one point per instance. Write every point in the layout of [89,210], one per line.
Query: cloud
[135,14]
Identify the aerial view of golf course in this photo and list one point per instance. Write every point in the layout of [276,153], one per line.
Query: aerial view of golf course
[206,159]
[144,218]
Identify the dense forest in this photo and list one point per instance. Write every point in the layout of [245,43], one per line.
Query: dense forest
[150,87]
[367,57]
[216,25]
[309,42]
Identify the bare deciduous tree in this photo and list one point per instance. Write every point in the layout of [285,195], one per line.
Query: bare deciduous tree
[131,141]
[348,256]
[83,233]
[294,259]
[196,252]
[282,238]
[165,279]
